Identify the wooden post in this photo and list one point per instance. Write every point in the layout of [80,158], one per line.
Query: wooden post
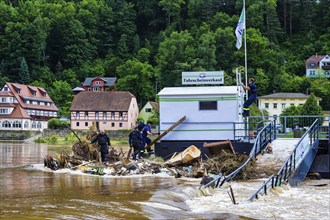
[166,132]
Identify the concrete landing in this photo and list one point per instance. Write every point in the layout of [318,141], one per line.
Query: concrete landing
[270,163]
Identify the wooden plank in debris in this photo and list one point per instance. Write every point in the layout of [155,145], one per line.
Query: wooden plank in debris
[215,148]
[166,132]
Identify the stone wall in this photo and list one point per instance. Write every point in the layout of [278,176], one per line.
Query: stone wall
[17,135]
[63,132]
[21,135]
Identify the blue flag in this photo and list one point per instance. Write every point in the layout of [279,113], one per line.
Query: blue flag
[239,29]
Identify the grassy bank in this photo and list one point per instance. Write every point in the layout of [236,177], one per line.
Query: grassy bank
[71,139]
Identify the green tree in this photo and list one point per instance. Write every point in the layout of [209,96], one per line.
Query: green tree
[176,54]
[291,111]
[172,8]
[24,74]
[137,77]
[320,88]
[205,51]
[311,106]
[61,94]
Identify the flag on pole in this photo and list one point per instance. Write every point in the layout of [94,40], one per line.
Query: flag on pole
[239,29]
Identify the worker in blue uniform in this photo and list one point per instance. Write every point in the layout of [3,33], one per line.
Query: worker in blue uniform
[253,96]
[104,144]
[145,139]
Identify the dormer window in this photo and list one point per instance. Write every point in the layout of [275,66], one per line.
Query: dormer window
[312,65]
[33,92]
[43,93]
[5,88]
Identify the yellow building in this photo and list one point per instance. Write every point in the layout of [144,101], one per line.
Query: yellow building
[275,103]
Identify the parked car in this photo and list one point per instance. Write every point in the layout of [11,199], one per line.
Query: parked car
[279,128]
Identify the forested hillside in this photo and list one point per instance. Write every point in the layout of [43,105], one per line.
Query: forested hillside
[146,44]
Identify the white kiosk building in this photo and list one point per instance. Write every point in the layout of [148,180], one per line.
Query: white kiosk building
[212,113]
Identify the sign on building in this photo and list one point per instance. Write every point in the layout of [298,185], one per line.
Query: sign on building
[205,78]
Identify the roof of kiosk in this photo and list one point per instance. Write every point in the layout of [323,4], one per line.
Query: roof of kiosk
[208,90]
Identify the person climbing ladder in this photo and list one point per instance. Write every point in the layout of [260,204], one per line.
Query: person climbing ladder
[253,96]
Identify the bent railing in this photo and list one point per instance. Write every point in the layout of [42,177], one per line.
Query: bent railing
[266,135]
[308,142]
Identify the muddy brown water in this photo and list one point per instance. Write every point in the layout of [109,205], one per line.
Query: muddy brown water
[27,191]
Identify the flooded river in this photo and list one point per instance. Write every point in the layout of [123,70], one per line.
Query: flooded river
[28,191]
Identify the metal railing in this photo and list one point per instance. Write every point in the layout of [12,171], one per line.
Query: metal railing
[307,142]
[265,136]
[285,125]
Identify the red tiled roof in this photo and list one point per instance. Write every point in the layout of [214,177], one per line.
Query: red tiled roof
[102,101]
[6,94]
[18,113]
[314,59]
[26,92]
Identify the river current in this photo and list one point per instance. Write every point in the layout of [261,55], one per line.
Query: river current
[30,191]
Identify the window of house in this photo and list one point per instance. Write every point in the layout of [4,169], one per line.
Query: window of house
[17,124]
[104,115]
[148,109]
[208,105]
[6,124]
[120,125]
[77,114]
[283,105]
[291,104]
[39,124]
[266,105]
[3,100]
[312,72]
[26,124]
[77,123]
[274,105]
[34,124]
[112,124]
[112,115]
[86,124]
[120,116]
[98,83]
[96,115]
[4,111]
[312,65]
[86,114]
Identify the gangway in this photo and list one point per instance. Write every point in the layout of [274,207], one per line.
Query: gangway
[297,165]
[266,135]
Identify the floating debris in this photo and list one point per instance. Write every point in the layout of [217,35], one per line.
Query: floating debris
[189,163]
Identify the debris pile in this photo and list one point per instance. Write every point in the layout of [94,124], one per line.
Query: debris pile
[189,163]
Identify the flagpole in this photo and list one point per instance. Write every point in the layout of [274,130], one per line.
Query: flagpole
[245,53]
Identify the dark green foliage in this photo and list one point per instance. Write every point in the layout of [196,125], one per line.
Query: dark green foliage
[311,106]
[55,123]
[24,75]
[149,43]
